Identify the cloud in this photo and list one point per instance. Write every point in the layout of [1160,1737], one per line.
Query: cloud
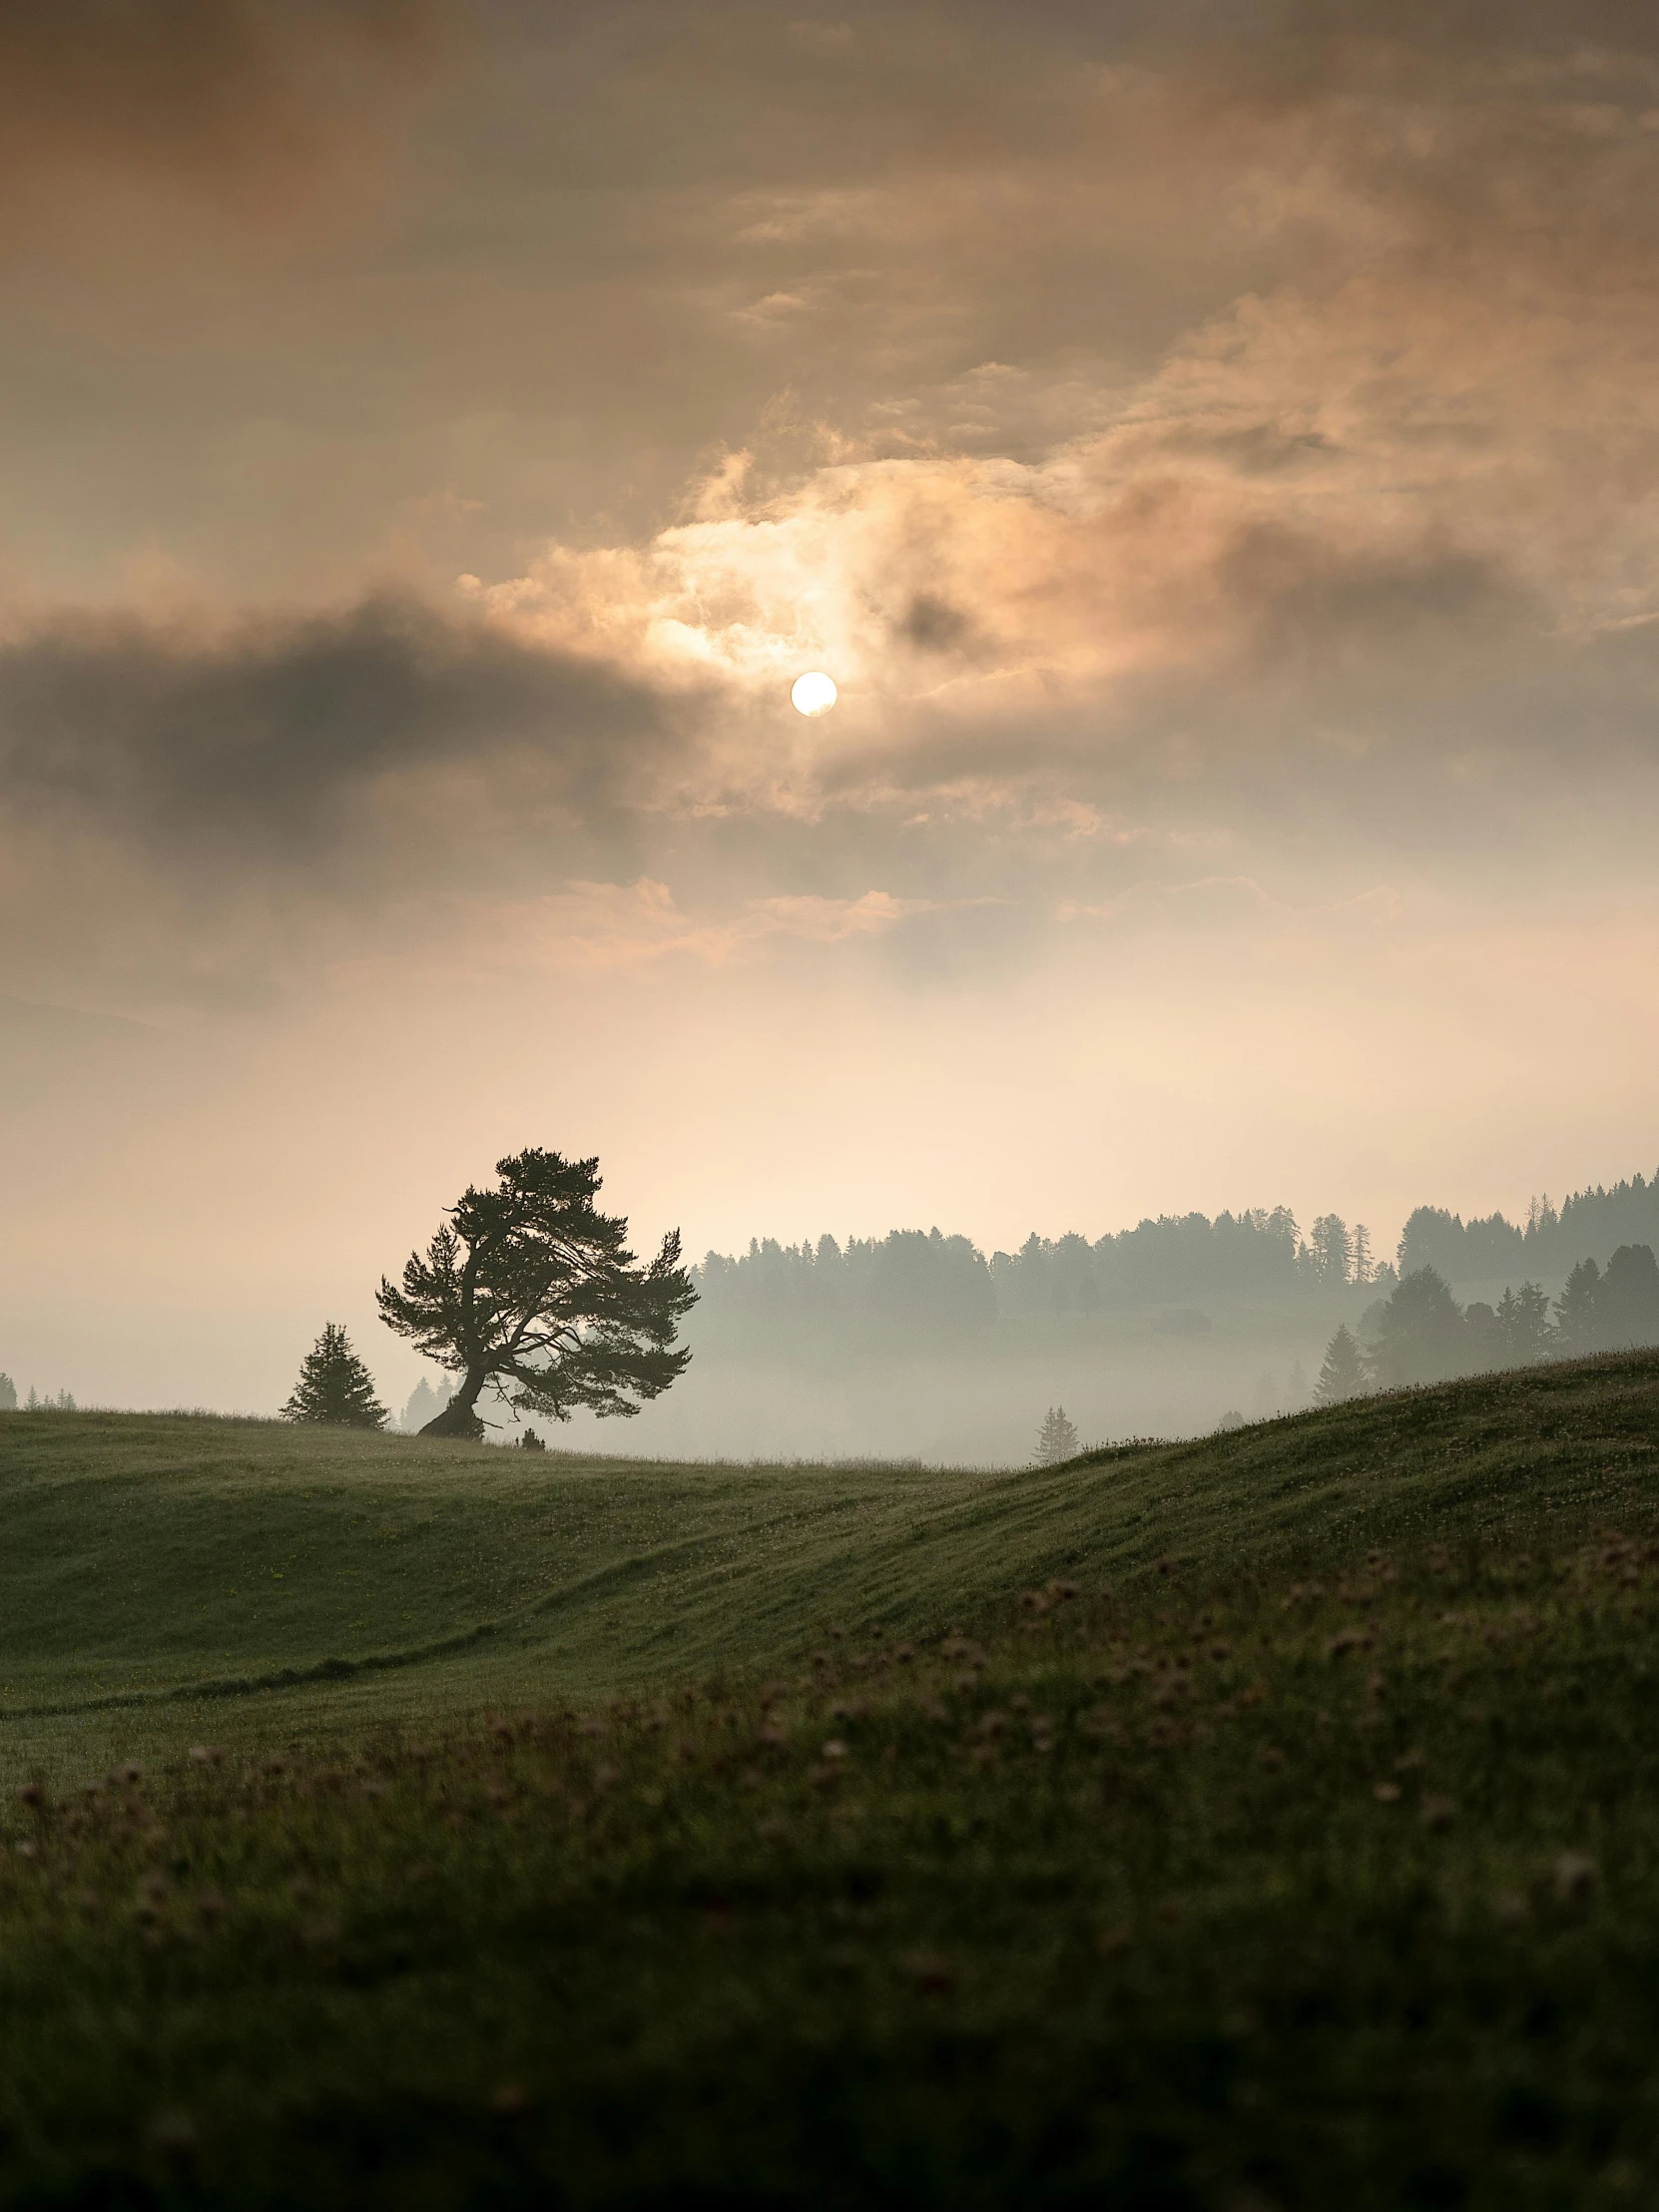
[244,100]
[278,738]
[590,926]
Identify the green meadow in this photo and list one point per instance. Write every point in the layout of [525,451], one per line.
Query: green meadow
[1266,1821]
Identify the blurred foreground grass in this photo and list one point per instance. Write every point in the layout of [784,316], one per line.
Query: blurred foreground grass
[1307,1855]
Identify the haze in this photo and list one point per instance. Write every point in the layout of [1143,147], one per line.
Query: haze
[1211,449]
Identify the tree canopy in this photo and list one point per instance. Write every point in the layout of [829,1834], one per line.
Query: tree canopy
[528,1291]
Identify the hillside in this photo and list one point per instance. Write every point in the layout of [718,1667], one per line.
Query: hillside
[1287,1841]
[299,1580]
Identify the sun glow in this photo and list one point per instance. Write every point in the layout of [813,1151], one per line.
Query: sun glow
[813,694]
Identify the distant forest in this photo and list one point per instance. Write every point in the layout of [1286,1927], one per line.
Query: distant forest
[1590,1224]
[925,1286]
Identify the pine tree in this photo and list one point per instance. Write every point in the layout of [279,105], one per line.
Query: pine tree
[1343,1375]
[1578,1310]
[529,1291]
[1523,1324]
[1421,1336]
[1333,1248]
[8,1394]
[1364,1267]
[334,1388]
[1628,1300]
[1056,1440]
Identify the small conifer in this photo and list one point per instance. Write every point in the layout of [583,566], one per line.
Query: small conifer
[1343,1375]
[1056,1438]
[334,1388]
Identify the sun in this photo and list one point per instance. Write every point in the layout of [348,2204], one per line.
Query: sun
[813,692]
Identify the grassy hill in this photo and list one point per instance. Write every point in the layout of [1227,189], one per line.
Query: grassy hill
[300,1580]
[1263,1823]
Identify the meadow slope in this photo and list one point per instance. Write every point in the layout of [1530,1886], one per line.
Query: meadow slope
[1276,1828]
[296,1582]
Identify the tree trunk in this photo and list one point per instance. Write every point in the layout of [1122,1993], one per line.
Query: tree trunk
[458,1417]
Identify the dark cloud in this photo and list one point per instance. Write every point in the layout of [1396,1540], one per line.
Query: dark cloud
[285,738]
[240,96]
[932,624]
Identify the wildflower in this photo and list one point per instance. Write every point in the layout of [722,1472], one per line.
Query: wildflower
[207,1755]
[835,1749]
[1386,1793]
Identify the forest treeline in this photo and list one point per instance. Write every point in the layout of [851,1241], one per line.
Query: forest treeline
[923,1287]
[1588,1225]
[1420,1332]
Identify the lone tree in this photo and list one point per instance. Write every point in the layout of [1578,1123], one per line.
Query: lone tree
[529,1289]
[334,1388]
[1056,1440]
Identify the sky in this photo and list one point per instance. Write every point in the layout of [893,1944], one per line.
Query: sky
[1211,447]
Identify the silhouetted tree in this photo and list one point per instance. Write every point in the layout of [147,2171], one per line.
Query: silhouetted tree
[8,1394]
[1343,1374]
[1629,1299]
[334,1388]
[529,1289]
[1420,1334]
[1331,1248]
[1365,1266]
[1482,1338]
[1578,1310]
[1056,1440]
[1523,1326]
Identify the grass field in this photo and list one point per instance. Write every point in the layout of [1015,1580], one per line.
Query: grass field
[611,1833]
